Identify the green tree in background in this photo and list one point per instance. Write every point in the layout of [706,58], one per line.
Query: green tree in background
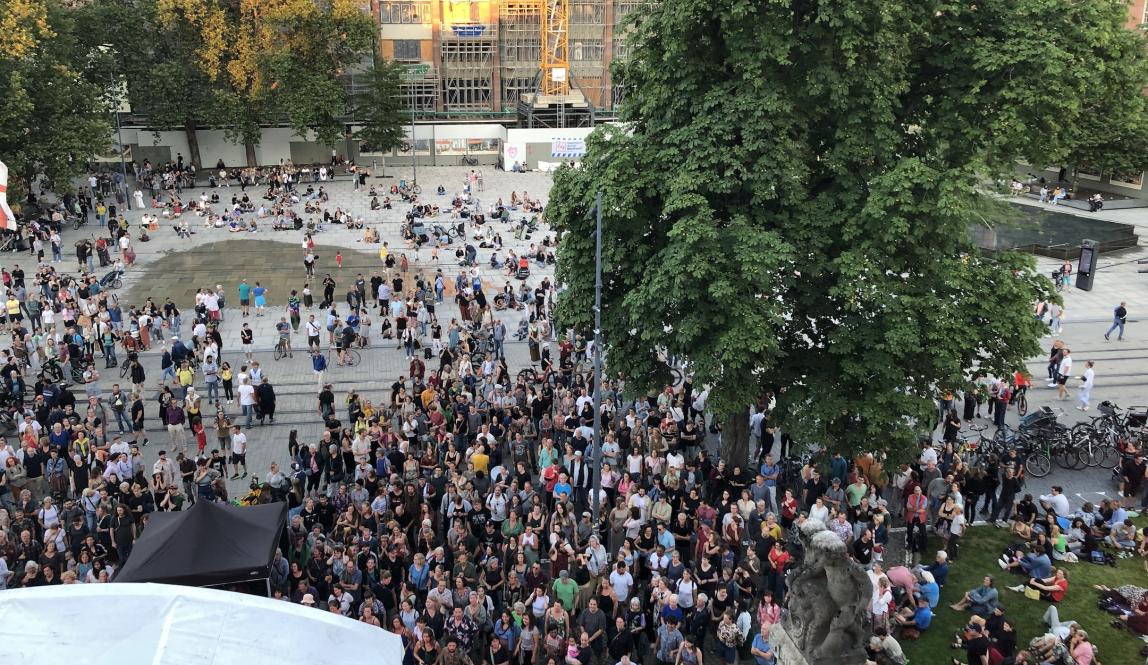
[788,205]
[269,61]
[381,108]
[53,116]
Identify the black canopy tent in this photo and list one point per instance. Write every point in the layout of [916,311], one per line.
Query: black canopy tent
[211,544]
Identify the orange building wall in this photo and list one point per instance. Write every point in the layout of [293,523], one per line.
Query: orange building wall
[1136,13]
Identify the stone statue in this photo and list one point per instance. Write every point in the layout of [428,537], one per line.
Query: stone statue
[828,600]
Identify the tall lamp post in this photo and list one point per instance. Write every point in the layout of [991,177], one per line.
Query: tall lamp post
[414,143]
[107,48]
[596,459]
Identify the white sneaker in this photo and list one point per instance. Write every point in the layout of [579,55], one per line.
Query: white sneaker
[1052,385]
[1002,564]
[1018,588]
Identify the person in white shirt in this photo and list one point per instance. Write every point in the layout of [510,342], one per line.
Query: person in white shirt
[1085,393]
[1056,502]
[247,400]
[621,580]
[238,452]
[1062,374]
[928,454]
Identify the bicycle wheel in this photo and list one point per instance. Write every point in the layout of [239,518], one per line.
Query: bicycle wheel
[1105,455]
[1021,404]
[1038,465]
[1065,456]
[117,283]
[125,369]
[353,358]
[279,351]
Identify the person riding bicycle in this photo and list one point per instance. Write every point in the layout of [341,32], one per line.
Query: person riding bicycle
[284,330]
[346,341]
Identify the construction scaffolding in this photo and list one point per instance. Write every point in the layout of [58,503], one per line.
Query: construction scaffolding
[549,57]
[468,69]
[520,47]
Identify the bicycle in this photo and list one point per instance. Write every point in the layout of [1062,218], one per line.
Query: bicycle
[351,357]
[281,350]
[467,160]
[971,446]
[1021,403]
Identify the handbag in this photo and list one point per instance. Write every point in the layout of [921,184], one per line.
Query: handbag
[1031,593]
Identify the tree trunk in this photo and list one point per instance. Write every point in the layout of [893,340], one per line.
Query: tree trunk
[735,438]
[191,129]
[249,148]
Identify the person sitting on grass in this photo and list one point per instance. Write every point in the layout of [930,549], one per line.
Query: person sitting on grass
[928,589]
[1035,564]
[1052,589]
[1024,517]
[1123,536]
[913,622]
[981,600]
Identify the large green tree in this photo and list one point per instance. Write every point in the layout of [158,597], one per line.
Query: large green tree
[787,205]
[380,107]
[53,115]
[273,61]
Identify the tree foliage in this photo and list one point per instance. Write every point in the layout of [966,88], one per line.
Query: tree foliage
[381,109]
[54,116]
[788,204]
[268,61]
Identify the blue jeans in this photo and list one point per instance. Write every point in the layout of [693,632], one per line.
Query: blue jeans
[213,390]
[248,413]
[1115,325]
[122,420]
[168,373]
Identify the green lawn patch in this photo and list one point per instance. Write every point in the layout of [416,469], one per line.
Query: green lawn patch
[979,551]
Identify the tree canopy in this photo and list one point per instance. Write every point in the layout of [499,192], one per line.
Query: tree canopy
[380,108]
[55,113]
[267,61]
[787,205]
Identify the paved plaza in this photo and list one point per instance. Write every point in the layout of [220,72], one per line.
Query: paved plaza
[171,266]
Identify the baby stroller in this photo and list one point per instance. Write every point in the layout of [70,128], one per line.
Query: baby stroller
[523,330]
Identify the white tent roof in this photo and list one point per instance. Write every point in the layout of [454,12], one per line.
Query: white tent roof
[134,624]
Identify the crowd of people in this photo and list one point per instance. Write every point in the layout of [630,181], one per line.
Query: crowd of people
[457,509]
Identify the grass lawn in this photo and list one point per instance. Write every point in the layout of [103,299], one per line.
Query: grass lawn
[979,550]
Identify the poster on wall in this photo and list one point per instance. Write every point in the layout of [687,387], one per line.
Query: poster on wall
[567,148]
[1131,179]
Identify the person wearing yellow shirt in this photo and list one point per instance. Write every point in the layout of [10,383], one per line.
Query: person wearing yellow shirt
[13,307]
[481,460]
[185,375]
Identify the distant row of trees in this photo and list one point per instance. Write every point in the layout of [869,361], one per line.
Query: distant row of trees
[187,64]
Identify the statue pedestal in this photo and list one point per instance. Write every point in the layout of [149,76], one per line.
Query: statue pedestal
[784,647]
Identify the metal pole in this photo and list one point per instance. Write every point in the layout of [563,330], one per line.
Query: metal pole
[596,457]
[123,165]
[414,145]
[120,138]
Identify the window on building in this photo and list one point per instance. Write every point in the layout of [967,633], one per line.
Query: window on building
[586,50]
[408,49]
[404,12]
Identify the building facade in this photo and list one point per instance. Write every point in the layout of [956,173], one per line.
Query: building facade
[476,58]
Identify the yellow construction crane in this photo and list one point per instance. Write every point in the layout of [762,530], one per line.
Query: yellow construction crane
[555,47]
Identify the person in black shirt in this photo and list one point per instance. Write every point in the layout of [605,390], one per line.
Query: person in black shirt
[976,645]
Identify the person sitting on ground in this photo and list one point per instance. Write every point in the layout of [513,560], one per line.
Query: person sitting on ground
[981,600]
[913,621]
[1055,502]
[929,589]
[1034,564]
[1024,517]
[1052,589]
[1123,536]
[940,568]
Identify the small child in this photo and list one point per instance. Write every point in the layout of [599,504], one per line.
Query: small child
[339,260]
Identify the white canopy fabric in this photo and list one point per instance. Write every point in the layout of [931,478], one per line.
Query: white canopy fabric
[154,624]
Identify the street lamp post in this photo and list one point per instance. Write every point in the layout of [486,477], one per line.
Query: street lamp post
[596,459]
[414,144]
[107,48]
